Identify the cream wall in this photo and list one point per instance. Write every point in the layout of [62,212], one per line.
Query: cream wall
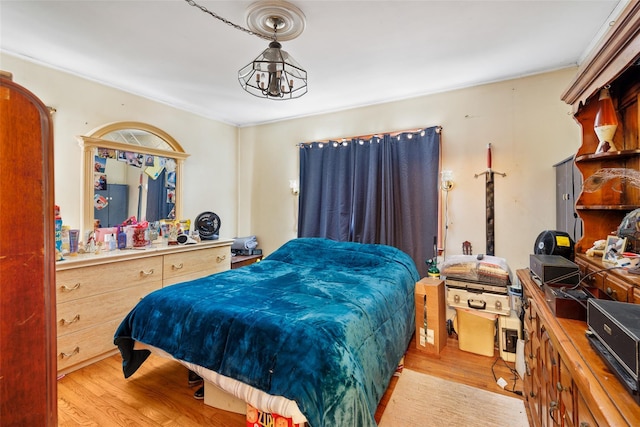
[210,173]
[529,127]
[243,174]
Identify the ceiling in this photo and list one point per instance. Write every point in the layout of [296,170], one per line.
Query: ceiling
[356,53]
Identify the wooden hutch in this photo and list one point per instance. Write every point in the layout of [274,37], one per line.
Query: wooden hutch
[567,383]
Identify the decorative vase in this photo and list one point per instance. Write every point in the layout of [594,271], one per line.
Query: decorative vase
[605,123]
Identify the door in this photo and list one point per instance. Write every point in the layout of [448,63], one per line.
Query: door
[568,187]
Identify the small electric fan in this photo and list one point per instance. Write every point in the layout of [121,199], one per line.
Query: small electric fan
[208,225]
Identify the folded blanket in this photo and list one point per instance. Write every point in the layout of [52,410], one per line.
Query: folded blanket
[241,243]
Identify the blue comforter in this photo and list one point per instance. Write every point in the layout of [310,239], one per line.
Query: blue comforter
[320,322]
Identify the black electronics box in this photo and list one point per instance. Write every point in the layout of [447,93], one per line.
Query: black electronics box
[616,327]
[554,269]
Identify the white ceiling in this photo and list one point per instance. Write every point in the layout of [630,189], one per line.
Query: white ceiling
[356,53]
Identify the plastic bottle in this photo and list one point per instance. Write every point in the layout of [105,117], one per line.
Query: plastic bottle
[107,242]
[58,228]
[433,270]
[64,236]
[122,238]
[113,243]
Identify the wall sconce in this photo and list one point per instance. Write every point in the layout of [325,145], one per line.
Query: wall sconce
[294,187]
[446,180]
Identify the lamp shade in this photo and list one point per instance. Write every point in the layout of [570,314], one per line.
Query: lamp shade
[605,123]
[274,74]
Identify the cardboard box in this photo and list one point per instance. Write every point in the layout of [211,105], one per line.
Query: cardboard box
[256,418]
[218,398]
[430,306]
[476,331]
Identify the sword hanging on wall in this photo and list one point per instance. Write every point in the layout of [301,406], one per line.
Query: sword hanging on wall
[489,190]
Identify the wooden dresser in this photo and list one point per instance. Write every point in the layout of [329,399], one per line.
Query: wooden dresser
[619,284]
[95,292]
[566,382]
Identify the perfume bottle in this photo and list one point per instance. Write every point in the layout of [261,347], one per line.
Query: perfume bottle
[122,238]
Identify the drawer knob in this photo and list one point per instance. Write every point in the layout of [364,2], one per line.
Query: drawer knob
[64,355]
[221,258]
[64,322]
[177,267]
[146,273]
[65,288]
[560,387]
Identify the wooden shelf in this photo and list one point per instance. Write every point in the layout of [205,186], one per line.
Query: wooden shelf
[607,207]
[614,155]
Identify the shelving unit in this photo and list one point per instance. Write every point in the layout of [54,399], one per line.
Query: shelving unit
[603,204]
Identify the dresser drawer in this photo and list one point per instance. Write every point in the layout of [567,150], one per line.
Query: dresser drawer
[73,316]
[98,279]
[87,344]
[183,266]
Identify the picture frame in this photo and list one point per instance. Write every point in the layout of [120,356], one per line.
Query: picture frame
[613,249]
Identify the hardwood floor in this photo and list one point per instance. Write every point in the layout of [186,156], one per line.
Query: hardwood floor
[158,394]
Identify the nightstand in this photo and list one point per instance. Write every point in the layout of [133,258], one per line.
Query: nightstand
[238,261]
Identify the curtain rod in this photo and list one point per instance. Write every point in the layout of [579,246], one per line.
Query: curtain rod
[369,136]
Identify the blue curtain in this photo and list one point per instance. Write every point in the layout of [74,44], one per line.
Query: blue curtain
[157,206]
[382,190]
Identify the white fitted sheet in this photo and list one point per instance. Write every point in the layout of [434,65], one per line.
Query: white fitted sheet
[256,398]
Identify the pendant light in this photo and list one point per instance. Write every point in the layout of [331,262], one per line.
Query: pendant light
[274,74]
[606,122]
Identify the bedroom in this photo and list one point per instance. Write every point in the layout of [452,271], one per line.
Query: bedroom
[251,166]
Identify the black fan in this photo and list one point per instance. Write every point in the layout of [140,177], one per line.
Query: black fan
[553,242]
[208,225]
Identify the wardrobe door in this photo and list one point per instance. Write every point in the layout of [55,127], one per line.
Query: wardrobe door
[27,260]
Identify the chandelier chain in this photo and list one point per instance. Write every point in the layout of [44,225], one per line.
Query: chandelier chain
[226,21]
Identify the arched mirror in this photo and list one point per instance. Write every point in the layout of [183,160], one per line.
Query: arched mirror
[130,169]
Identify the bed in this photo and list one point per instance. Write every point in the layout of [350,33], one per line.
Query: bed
[321,323]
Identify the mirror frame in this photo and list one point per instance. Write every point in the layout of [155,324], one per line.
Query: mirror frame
[94,140]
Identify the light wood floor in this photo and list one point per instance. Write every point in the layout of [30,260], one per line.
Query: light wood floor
[158,394]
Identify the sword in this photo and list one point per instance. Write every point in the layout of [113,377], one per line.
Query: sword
[489,191]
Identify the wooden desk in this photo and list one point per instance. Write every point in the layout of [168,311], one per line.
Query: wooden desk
[238,261]
[566,382]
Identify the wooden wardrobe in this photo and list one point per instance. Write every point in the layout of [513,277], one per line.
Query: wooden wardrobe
[28,394]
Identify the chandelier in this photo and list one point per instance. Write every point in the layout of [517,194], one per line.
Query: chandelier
[274,74]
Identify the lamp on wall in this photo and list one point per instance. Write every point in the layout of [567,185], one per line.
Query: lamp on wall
[606,122]
[294,187]
[446,180]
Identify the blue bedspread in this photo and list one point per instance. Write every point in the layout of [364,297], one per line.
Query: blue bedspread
[320,322]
